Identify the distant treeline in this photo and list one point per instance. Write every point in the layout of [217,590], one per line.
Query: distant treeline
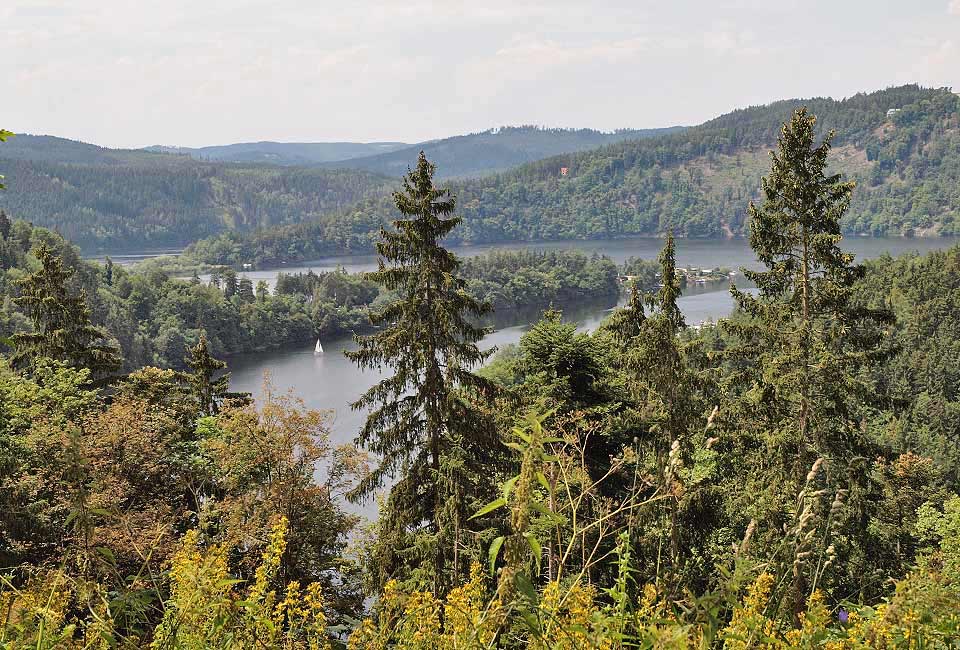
[901,146]
[154,318]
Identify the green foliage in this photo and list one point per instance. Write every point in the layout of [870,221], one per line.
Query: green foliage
[535,280]
[117,200]
[61,321]
[421,425]
[694,183]
[206,386]
[494,150]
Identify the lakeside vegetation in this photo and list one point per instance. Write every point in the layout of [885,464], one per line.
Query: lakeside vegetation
[899,144]
[784,479]
[154,318]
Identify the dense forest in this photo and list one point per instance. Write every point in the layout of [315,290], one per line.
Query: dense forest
[784,479]
[494,150]
[154,318]
[105,199]
[283,153]
[900,145]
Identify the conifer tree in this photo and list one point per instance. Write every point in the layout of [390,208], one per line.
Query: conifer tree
[422,425]
[801,343]
[230,286]
[61,321]
[805,332]
[4,134]
[245,290]
[5,225]
[108,271]
[207,389]
[664,389]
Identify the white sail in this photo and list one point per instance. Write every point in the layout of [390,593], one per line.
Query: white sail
[319,348]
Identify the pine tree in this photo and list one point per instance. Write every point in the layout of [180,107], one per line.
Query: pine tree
[663,384]
[230,286]
[800,345]
[61,321]
[108,271]
[422,425]
[5,225]
[805,331]
[245,290]
[207,389]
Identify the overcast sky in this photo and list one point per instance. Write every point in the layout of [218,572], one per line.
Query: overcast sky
[128,73]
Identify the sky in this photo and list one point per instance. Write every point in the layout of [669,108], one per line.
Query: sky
[131,73]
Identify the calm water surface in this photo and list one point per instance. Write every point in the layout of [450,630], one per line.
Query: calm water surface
[329,381]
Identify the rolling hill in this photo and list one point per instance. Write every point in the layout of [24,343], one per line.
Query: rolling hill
[902,145]
[283,153]
[159,197]
[110,199]
[494,150]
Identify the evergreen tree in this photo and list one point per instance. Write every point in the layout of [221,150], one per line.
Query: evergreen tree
[666,406]
[215,276]
[245,290]
[61,321]
[802,342]
[423,425]
[230,286]
[108,271]
[5,225]
[207,389]
[4,134]
[263,290]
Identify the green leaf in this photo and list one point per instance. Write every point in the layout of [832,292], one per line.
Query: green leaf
[544,482]
[494,552]
[533,623]
[507,486]
[490,507]
[535,547]
[107,554]
[525,587]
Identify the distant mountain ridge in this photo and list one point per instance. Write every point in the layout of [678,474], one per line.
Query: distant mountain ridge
[108,199]
[283,153]
[494,150]
[901,145]
[120,199]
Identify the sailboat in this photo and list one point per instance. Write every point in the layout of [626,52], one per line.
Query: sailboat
[319,348]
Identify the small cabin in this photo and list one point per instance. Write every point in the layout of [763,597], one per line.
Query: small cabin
[893,111]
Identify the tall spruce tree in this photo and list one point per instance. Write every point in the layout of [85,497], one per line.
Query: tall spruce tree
[667,406]
[5,225]
[802,342]
[208,389]
[4,134]
[423,425]
[61,321]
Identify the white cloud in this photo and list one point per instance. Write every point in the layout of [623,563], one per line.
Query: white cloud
[127,73]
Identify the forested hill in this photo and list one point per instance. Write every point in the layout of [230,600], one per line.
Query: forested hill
[902,145]
[284,153]
[123,199]
[494,150]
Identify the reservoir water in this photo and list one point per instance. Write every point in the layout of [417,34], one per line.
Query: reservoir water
[331,382]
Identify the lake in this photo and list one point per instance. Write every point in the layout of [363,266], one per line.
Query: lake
[329,381]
